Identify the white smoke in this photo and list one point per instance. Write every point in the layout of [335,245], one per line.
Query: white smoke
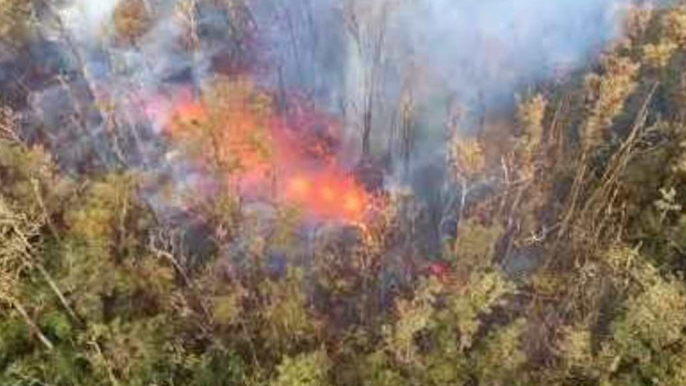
[495,46]
[86,19]
[475,53]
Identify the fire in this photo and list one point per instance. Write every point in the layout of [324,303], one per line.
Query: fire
[257,147]
[299,187]
[329,194]
[228,128]
[189,113]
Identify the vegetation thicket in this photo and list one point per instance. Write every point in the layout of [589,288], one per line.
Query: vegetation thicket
[95,289]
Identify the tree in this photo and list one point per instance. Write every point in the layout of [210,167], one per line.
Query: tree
[367,23]
[15,21]
[132,19]
[309,369]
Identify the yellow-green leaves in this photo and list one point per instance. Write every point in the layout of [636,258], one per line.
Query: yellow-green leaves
[500,360]
[477,298]
[132,20]
[104,213]
[654,319]
[468,157]
[15,21]
[675,25]
[310,369]
[658,55]
[475,244]
[606,95]
[414,317]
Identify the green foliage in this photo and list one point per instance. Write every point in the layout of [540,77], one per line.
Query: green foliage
[675,24]
[475,244]
[57,325]
[377,370]
[576,346]
[290,319]
[653,319]
[502,358]
[413,317]
[218,367]
[309,369]
[103,248]
[31,182]
[477,298]
[647,340]
[105,214]
[530,116]
[285,234]
[467,157]
[14,340]
[659,55]
[91,292]
[226,309]
[606,95]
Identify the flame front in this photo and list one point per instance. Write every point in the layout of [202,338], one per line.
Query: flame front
[295,152]
[329,194]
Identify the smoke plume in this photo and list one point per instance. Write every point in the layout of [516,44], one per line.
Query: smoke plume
[388,74]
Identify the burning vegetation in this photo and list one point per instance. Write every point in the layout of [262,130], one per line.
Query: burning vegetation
[235,132]
[342,193]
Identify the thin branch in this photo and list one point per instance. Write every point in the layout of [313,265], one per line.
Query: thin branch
[32,325]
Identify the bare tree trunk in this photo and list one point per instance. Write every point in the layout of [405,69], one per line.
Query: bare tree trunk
[407,134]
[367,123]
[369,35]
[56,290]
[375,72]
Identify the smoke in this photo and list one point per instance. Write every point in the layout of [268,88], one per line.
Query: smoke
[397,69]
[495,47]
[361,60]
[403,71]
[480,52]
[87,18]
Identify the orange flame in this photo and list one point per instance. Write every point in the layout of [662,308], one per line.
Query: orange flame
[329,194]
[298,147]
